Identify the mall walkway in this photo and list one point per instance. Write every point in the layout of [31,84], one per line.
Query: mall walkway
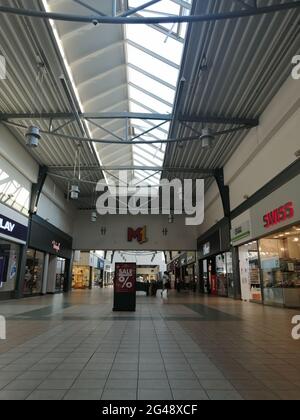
[75,347]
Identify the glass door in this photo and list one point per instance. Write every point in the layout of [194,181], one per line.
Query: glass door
[60,274]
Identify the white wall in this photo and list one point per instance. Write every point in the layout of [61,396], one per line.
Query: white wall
[87,235]
[18,163]
[265,152]
[12,151]
[54,207]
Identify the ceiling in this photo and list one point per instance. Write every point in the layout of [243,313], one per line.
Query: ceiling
[124,68]
[232,68]
[227,69]
[33,85]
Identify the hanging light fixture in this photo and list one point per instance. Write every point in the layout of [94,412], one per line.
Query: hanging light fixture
[171,218]
[94,216]
[32,136]
[206,137]
[75,190]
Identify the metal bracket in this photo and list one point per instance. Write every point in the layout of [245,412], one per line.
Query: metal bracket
[224,191]
[37,189]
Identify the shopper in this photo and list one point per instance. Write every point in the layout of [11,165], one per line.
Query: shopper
[165,283]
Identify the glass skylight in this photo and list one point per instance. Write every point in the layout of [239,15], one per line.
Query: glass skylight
[153,56]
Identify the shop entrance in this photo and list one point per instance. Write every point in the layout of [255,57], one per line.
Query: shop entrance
[216,274]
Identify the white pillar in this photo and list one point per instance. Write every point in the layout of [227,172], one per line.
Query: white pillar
[45,274]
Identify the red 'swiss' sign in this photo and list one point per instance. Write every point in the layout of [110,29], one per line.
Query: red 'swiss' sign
[279,215]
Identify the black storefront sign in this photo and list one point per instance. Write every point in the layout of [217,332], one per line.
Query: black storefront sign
[13,229]
[215,242]
[47,238]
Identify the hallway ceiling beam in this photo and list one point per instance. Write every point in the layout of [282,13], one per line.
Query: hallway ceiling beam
[134,168]
[252,122]
[96,19]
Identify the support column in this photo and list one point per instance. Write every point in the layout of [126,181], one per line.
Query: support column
[45,274]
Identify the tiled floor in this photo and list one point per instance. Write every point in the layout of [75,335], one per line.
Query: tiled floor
[185,348]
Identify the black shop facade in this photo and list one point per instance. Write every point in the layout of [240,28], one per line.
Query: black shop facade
[48,260]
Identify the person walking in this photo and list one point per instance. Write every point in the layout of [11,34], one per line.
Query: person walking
[166,283]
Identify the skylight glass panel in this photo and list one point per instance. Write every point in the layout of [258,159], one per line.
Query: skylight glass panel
[151,85]
[152,65]
[150,102]
[156,41]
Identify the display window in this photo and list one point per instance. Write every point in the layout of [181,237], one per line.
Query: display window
[9,262]
[81,277]
[250,272]
[221,275]
[34,272]
[280,267]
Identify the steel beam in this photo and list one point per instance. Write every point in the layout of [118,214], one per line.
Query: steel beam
[252,122]
[133,168]
[137,9]
[96,19]
[89,116]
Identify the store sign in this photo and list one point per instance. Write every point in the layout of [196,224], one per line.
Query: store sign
[139,234]
[241,232]
[190,258]
[125,280]
[206,248]
[56,246]
[12,228]
[279,215]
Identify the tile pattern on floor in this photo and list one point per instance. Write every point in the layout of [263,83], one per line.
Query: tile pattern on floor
[188,347]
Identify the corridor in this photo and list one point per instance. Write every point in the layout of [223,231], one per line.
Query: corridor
[188,347]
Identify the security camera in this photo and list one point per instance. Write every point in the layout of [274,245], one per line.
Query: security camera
[95,22]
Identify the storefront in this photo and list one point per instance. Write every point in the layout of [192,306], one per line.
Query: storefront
[187,264]
[88,270]
[48,259]
[13,236]
[215,262]
[268,241]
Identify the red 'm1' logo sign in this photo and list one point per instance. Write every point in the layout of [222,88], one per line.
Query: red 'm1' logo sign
[279,215]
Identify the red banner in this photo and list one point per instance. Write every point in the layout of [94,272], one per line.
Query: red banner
[125,278]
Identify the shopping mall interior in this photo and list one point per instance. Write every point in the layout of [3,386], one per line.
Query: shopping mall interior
[149,200]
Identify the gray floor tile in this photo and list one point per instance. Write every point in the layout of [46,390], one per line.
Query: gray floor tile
[155,395]
[160,374]
[121,384]
[89,384]
[216,385]
[23,384]
[14,395]
[189,395]
[44,395]
[185,384]
[224,395]
[57,384]
[119,394]
[83,394]
[153,384]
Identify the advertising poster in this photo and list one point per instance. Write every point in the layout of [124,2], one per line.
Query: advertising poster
[125,278]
